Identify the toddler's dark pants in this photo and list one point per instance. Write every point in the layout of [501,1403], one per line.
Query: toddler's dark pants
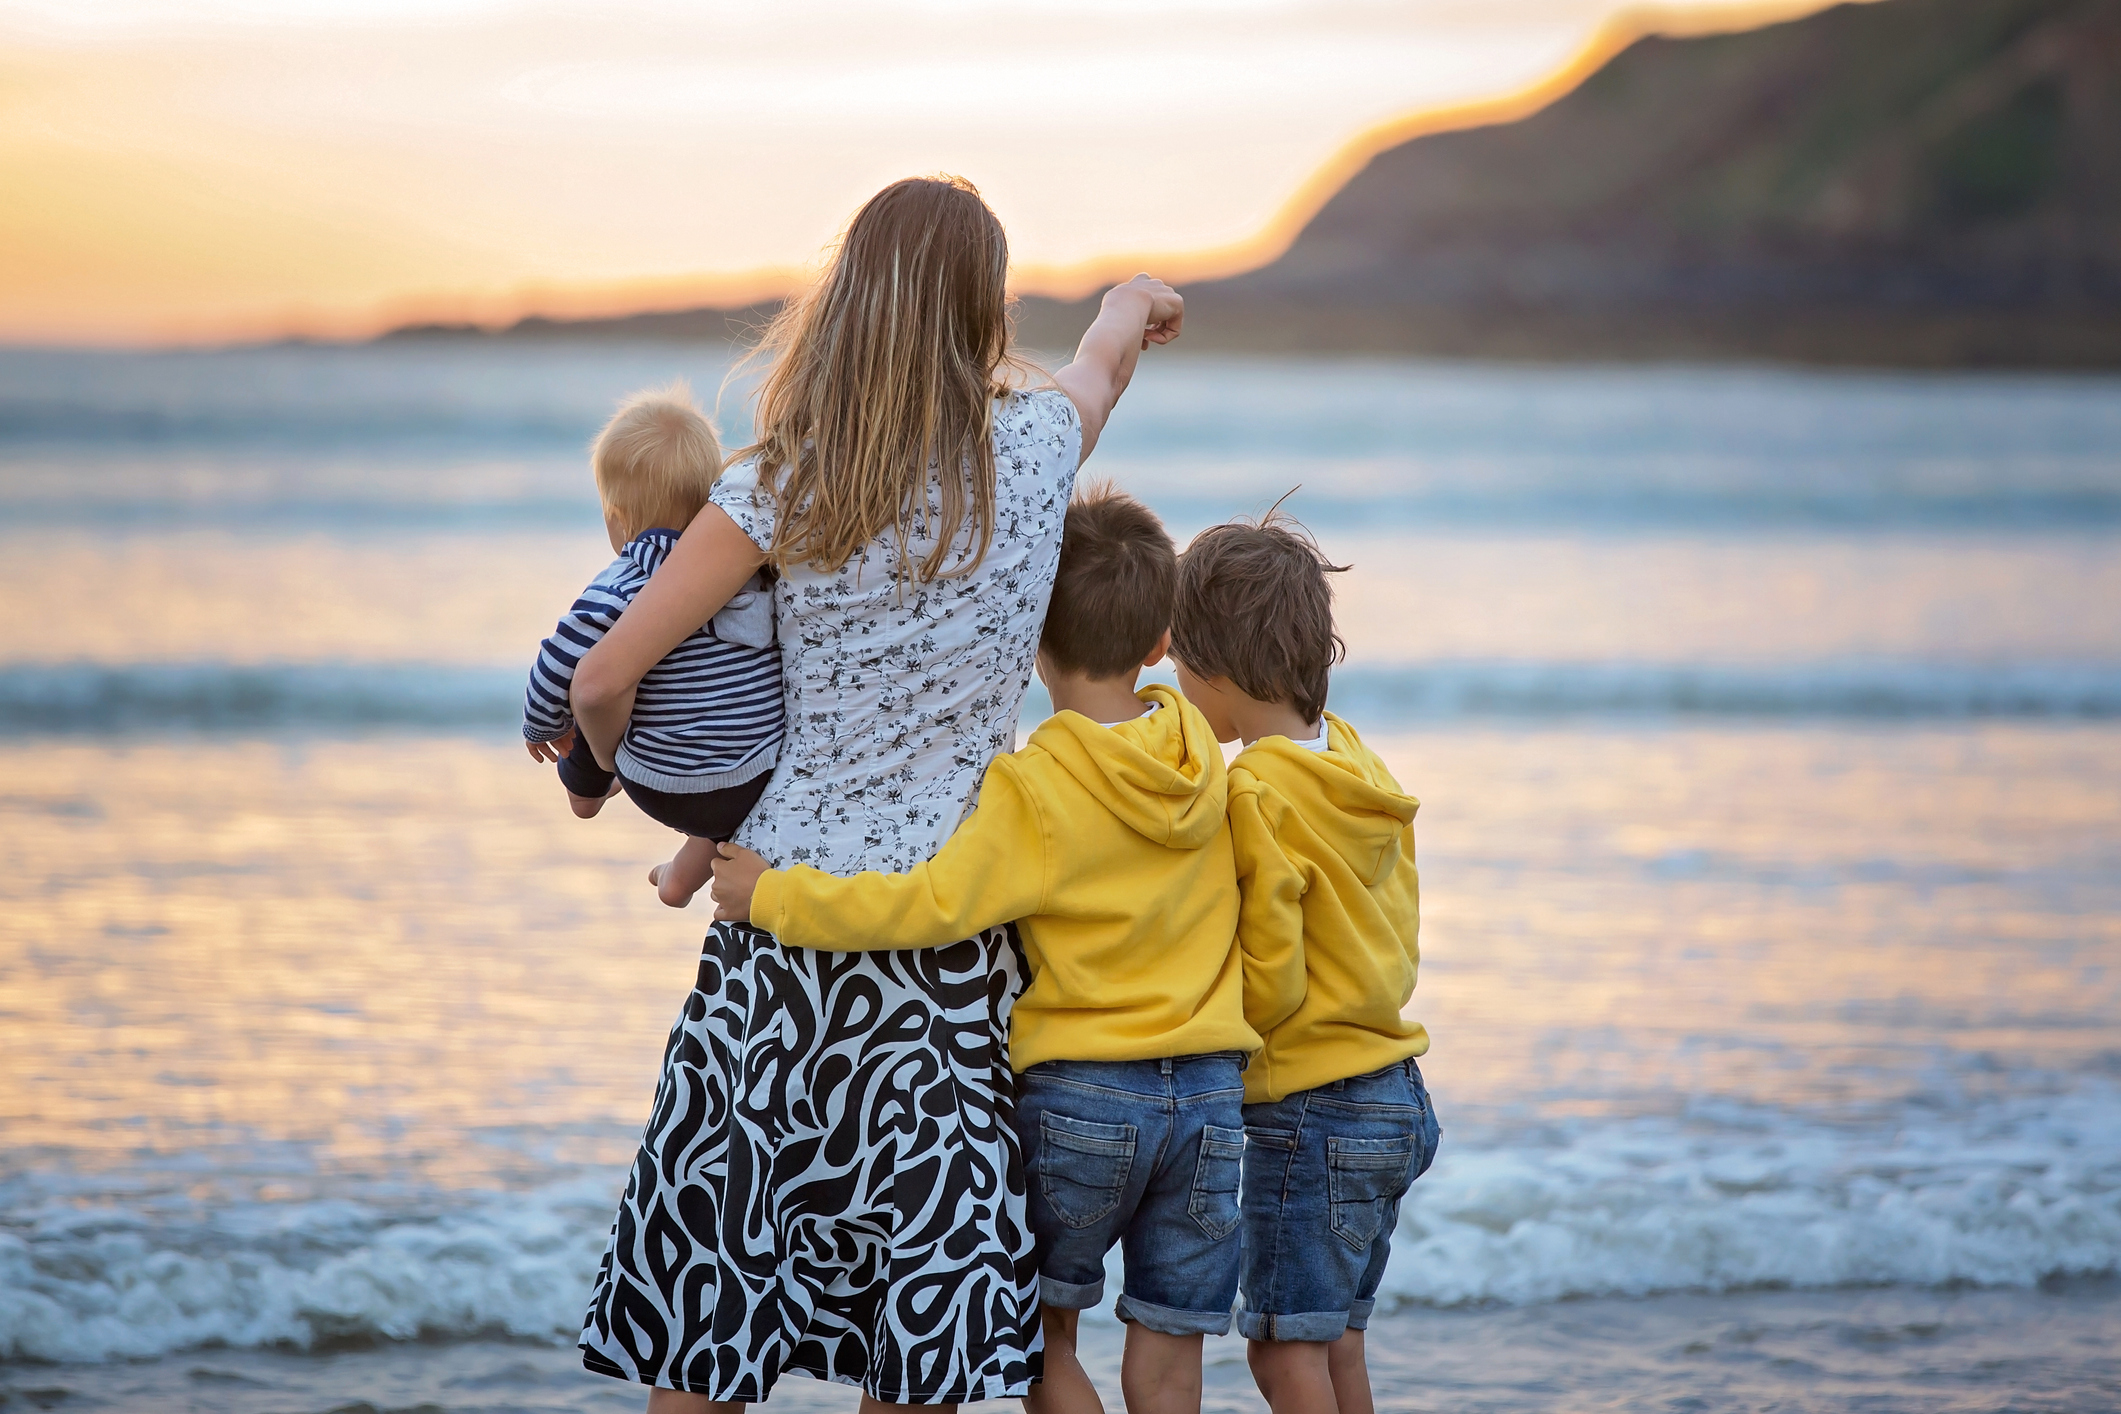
[707,814]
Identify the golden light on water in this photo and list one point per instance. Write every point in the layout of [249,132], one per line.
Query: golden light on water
[191,595]
[403,954]
[1781,955]
[372,948]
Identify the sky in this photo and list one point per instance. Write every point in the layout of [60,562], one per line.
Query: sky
[186,171]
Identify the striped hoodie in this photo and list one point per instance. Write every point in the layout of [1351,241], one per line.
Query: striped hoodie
[705,718]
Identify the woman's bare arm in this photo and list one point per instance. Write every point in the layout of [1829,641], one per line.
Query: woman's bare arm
[706,568]
[1142,312]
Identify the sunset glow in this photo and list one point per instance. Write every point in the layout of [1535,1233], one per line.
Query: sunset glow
[230,170]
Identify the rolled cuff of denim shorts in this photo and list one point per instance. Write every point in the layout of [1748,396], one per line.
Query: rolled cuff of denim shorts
[1167,1320]
[1359,1314]
[1067,1296]
[1305,1325]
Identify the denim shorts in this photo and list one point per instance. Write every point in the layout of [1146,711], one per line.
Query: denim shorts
[1146,1154]
[1325,1169]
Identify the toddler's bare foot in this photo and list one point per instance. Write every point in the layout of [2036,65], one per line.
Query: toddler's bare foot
[686,874]
[669,893]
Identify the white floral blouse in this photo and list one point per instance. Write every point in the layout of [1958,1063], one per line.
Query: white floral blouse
[899,694]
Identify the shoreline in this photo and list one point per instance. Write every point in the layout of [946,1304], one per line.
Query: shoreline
[1891,1349]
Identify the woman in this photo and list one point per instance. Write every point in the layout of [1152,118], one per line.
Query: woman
[830,1182]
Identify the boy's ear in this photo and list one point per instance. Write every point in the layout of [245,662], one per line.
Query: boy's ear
[1161,651]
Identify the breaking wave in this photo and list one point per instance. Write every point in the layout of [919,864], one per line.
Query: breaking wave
[2009,1193]
[108,1283]
[1461,690]
[92,699]
[2014,1194]
[132,698]
[1885,688]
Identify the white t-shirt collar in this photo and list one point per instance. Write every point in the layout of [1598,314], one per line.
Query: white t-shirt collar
[1135,718]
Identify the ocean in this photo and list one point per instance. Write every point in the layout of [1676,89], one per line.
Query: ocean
[1768,731]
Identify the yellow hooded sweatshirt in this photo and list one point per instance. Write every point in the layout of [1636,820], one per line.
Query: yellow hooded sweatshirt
[1332,910]
[1107,847]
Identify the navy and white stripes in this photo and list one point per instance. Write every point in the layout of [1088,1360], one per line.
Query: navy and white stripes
[705,718]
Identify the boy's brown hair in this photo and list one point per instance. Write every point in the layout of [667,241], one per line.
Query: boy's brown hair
[1112,597]
[1253,606]
[656,460]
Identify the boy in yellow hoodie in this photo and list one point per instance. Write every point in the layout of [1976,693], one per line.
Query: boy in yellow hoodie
[1337,1121]
[1104,840]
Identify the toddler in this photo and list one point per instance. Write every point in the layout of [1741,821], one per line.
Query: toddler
[1337,1120]
[706,725]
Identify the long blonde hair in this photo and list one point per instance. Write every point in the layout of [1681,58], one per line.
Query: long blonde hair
[891,362]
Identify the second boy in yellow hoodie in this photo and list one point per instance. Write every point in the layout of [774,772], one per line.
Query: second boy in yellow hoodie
[1104,839]
[1337,1119]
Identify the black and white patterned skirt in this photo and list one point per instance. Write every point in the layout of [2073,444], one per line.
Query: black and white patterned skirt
[830,1182]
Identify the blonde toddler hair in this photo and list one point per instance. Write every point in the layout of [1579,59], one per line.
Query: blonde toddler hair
[656,460]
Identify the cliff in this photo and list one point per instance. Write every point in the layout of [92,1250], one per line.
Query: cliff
[1906,182]
[1910,181]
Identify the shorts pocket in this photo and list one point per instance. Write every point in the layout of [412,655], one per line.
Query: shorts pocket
[1215,1180]
[1366,1178]
[1431,1130]
[1083,1166]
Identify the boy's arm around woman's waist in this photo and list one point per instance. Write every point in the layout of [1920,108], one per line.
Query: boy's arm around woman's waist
[993,870]
[1270,919]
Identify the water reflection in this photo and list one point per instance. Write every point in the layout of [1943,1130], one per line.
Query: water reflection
[403,958]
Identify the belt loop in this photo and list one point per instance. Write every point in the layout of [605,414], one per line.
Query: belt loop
[1165,1065]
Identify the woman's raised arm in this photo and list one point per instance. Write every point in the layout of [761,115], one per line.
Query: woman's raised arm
[706,568]
[1142,312]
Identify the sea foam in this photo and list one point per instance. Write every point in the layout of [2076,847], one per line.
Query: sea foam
[102,1283]
[2008,1194]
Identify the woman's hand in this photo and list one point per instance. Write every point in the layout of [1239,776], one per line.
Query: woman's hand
[736,875]
[706,568]
[1167,309]
[1142,312]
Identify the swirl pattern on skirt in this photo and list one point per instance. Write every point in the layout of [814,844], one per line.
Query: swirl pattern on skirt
[830,1182]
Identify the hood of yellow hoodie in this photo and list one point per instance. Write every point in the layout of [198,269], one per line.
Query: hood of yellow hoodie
[1342,793]
[1161,774]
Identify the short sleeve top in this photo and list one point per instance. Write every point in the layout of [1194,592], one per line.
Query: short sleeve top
[899,693]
